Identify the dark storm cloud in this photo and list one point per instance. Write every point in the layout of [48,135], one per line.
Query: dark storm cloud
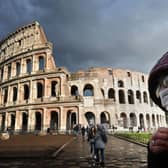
[114,33]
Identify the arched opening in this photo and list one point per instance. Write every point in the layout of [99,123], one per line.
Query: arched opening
[145,97]
[130,97]
[74,91]
[141,121]
[24,121]
[53,88]
[41,63]
[17,68]
[14,94]
[3,122]
[90,117]
[120,83]
[133,120]
[39,90]
[153,120]
[26,92]
[121,97]
[88,90]
[38,121]
[54,120]
[28,65]
[111,94]
[138,96]
[12,121]
[123,116]
[71,120]
[148,121]
[105,118]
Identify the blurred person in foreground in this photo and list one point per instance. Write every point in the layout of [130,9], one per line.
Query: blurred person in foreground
[158,90]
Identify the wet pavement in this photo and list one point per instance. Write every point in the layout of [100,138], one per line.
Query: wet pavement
[118,154]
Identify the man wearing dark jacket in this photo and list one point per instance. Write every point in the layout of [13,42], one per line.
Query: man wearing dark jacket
[158,90]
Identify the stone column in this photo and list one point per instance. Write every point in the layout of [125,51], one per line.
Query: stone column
[31,120]
[63,113]
[18,121]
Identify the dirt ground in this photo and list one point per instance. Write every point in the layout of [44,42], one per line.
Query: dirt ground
[32,145]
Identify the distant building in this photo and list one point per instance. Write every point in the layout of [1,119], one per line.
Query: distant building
[35,94]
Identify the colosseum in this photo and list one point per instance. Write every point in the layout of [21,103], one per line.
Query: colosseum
[36,95]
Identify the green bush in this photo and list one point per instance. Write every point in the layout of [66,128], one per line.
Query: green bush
[138,137]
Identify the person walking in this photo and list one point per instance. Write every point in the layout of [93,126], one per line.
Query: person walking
[83,133]
[91,139]
[100,143]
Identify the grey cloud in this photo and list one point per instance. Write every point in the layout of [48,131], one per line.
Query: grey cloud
[112,33]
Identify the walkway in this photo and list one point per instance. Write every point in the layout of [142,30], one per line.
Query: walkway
[119,154]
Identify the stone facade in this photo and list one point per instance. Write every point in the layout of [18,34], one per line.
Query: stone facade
[35,94]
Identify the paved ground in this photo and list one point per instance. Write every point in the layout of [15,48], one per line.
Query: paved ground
[119,154]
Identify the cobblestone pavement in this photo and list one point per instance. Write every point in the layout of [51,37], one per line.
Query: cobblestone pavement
[118,154]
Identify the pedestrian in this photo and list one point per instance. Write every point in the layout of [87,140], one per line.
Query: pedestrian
[91,139]
[158,90]
[83,133]
[100,142]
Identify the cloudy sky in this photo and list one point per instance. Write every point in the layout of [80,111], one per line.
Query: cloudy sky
[131,34]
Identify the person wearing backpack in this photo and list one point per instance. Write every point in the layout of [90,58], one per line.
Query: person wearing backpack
[100,143]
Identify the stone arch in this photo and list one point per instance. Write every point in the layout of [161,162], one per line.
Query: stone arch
[120,83]
[39,90]
[28,66]
[15,92]
[74,91]
[104,117]
[145,97]
[53,88]
[130,97]
[141,121]
[88,90]
[123,116]
[18,68]
[41,63]
[148,121]
[13,120]
[121,97]
[26,92]
[133,120]
[24,121]
[71,119]
[111,94]
[38,121]
[90,117]
[138,96]
[3,121]
[153,120]
[54,120]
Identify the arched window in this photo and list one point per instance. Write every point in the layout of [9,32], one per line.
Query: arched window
[111,94]
[41,63]
[120,83]
[74,91]
[88,90]
[38,120]
[9,71]
[145,97]
[130,97]
[138,95]
[121,97]
[17,68]
[14,93]
[5,95]
[39,90]
[26,92]
[28,65]
[53,88]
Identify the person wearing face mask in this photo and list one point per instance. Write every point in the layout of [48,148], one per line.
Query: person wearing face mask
[158,90]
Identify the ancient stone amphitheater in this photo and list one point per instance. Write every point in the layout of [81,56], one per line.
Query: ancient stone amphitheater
[36,95]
